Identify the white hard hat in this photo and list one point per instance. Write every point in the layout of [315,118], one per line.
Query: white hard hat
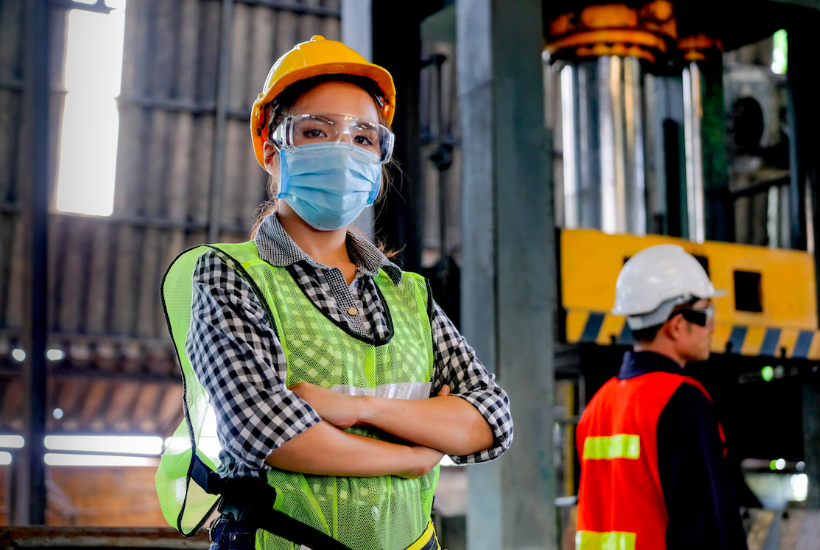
[655,280]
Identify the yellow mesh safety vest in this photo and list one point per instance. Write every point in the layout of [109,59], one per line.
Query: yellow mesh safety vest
[378,513]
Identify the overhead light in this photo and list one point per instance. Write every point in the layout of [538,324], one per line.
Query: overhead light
[5,458]
[19,355]
[57,459]
[800,486]
[55,355]
[12,441]
[132,445]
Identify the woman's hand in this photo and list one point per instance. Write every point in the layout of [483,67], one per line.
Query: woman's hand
[339,409]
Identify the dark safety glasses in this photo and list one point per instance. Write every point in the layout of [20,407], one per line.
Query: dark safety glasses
[701,317]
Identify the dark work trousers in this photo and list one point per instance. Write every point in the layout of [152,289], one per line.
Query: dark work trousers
[227,534]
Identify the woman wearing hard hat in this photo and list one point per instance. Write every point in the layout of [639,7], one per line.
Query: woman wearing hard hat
[333,375]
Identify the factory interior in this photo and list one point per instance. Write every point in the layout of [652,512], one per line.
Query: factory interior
[540,145]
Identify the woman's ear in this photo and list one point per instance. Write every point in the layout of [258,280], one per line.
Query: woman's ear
[271,155]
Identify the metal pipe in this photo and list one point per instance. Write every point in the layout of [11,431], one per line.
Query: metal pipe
[604,176]
[221,120]
[693,111]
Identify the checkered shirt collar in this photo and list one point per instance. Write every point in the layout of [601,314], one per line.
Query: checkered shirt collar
[278,249]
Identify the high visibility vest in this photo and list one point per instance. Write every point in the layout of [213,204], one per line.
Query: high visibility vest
[620,499]
[377,513]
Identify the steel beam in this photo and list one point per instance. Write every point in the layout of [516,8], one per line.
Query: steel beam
[509,297]
[31,506]
[180,106]
[8,372]
[11,84]
[135,221]
[221,120]
[301,9]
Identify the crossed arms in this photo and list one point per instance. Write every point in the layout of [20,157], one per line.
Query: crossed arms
[439,425]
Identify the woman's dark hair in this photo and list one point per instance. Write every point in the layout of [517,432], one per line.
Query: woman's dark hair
[279,108]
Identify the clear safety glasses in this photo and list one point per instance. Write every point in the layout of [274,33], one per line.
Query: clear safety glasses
[298,130]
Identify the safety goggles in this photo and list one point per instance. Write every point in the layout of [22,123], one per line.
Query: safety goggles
[701,317]
[299,130]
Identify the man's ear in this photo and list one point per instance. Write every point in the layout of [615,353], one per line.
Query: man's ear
[672,327]
[271,155]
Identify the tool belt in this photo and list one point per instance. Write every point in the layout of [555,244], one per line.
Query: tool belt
[250,502]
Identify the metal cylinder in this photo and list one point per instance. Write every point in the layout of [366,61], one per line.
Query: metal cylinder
[604,179]
[692,112]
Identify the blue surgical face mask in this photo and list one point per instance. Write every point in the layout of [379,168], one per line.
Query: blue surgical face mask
[328,184]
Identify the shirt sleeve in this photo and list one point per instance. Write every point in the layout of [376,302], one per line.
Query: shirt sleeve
[700,500]
[457,366]
[239,360]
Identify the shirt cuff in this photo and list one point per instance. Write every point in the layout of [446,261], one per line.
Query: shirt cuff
[496,411]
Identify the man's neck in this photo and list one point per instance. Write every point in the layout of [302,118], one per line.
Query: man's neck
[663,347]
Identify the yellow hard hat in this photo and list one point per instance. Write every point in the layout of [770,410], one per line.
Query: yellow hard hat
[315,58]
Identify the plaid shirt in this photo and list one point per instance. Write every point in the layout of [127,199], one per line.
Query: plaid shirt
[240,362]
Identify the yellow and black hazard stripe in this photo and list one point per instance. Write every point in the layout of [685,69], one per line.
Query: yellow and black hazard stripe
[604,328]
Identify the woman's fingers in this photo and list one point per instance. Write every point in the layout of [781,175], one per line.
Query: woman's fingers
[444,391]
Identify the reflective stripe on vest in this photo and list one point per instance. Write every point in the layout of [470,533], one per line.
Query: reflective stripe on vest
[402,390]
[614,540]
[613,446]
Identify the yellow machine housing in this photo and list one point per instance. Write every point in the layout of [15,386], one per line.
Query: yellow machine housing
[769,308]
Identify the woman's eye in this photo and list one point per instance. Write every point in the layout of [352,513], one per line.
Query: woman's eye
[363,140]
[314,133]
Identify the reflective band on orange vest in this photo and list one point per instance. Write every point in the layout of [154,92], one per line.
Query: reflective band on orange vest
[613,446]
[613,540]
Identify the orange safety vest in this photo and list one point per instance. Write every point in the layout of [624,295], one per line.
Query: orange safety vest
[620,500]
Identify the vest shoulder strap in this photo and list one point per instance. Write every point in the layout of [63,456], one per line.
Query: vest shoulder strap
[423,285]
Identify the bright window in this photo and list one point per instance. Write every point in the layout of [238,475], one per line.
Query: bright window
[88,142]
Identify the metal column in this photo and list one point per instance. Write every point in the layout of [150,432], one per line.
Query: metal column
[397,35]
[719,208]
[357,34]
[604,180]
[509,296]
[31,504]
[709,202]
[803,52]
